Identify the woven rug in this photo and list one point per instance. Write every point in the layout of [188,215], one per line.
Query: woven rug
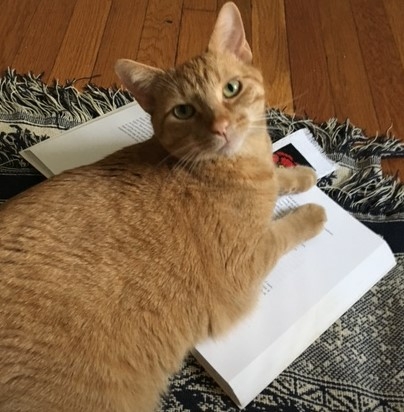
[358,363]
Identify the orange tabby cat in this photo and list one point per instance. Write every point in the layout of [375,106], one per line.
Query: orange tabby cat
[111,272]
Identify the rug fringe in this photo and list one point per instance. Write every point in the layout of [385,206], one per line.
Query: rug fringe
[337,139]
[368,193]
[25,98]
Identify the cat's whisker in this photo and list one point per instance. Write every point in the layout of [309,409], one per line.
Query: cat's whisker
[258,127]
[259,123]
[193,160]
[262,116]
[185,160]
[195,163]
[186,165]
[176,154]
[284,103]
[180,162]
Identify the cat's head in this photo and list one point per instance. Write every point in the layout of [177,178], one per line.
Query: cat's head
[212,105]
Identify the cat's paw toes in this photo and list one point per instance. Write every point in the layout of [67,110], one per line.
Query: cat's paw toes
[306,178]
[314,217]
[296,179]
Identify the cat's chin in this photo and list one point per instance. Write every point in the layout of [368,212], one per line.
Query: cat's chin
[229,149]
[230,146]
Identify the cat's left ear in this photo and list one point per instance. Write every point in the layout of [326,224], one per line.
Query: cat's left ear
[138,79]
[229,35]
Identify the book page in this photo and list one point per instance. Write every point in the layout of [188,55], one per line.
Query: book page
[299,280]
[91,141]
[300,148]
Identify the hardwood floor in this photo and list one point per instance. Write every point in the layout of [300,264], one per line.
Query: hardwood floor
[323,58]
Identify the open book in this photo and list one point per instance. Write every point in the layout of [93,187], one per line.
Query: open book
[91,141]
[308,290]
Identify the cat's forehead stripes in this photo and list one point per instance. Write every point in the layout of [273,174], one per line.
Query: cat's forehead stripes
[207,73]
[202,67]
[197,75]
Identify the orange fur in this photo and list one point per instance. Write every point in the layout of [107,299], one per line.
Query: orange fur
[111,272]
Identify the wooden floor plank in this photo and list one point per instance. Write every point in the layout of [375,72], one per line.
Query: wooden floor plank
[121,38]
[15,17]
[348,79]
[308,65]
[206,5]
[270,51]
[395,15]
[79,49]
[394,167]
[39,48]
[382,62]
[158,44]
[196,28]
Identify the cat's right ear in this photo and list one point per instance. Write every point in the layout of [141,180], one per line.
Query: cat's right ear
[138,79]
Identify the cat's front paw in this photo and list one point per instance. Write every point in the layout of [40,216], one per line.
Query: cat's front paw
[296,179]
[306,178]
[313,217]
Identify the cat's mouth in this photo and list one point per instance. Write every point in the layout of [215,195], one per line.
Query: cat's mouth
[228,144]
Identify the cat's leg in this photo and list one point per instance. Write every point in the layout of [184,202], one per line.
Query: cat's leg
[295,179]
[300,225]
[286,233]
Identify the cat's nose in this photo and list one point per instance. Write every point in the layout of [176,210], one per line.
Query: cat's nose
[219,126]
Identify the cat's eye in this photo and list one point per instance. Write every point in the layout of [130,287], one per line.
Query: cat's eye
[232,88]
[183,111]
